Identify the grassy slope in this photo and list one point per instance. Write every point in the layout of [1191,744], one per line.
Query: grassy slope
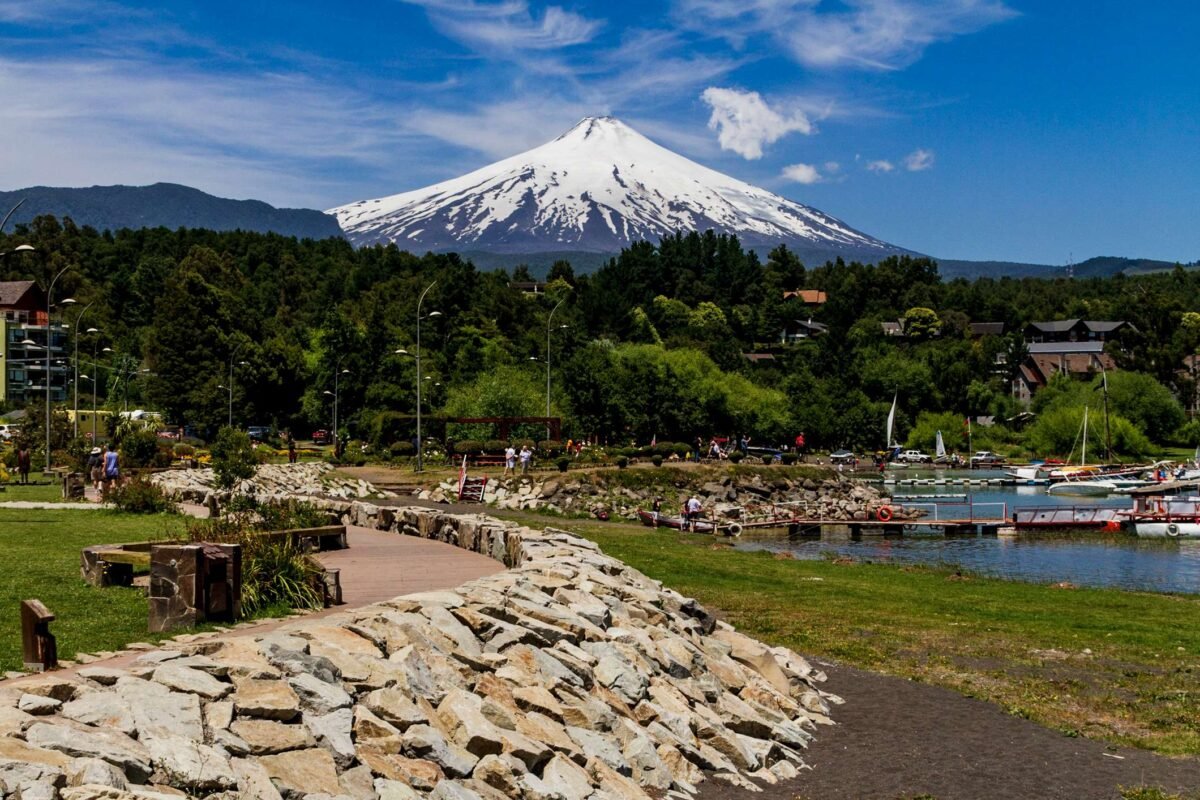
[39,558]
[1017,644]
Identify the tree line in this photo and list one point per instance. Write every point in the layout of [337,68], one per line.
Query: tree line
[651,345]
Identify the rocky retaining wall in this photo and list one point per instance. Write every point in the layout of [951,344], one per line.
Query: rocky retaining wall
[307,479]
[570,676]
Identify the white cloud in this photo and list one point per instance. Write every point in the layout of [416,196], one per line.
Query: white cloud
[918,160]
[870,34]
[880,166]
[832,166]
[803,173]
[509,24]
[745,123]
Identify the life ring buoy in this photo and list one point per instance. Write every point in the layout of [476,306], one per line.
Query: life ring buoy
[883,514]
[734,529]
[1172,529]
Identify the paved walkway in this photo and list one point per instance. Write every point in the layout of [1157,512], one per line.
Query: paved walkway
[376,566]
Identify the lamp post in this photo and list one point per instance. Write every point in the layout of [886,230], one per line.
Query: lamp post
[49,295]
[232,356]
[337,373]
[417,356]
[549,321]
[75,328]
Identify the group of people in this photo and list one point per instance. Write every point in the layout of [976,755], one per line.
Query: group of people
[104,467]
[511,457]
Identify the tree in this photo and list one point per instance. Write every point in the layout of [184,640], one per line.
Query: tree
[921,323]
[232,458]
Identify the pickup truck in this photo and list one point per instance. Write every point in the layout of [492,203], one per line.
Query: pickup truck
[986,458]
[914,457]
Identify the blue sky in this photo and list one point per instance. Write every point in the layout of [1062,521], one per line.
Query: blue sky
[982,129]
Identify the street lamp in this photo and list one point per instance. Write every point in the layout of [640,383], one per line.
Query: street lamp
[549,328]
[337,373]
[78,321]
[49,295]
[232,356]
[417,356]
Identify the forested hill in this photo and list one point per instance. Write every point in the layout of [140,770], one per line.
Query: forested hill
[650,345]
[1098,267]
[166,205]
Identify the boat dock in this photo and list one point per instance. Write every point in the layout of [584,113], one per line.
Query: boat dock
[872,527]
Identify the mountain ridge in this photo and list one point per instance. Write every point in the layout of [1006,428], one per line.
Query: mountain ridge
[169,205]
[598,187]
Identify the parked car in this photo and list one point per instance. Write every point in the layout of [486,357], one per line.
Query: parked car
[321,437]
[259,433]
[986,458]
[841,457]
[914,457]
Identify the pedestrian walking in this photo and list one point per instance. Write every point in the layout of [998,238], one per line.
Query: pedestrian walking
[693,507]
[291,448]
[510,460]
[112,469]
[526,454]
[95,466]
[23,461]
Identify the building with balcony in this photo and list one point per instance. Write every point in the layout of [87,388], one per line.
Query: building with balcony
[24,337]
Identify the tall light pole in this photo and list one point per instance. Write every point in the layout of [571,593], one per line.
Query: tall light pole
[417,356]
[49,295]
[549,321]
[232,356]
[337,373]
[75,335]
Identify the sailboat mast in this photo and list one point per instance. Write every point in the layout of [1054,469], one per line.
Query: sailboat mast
[1083,456]
[1107,432]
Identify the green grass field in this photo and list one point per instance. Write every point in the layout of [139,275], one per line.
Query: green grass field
[1107,664]
[40,492]
[39,558]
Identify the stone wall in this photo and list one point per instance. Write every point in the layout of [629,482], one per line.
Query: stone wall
[570,676]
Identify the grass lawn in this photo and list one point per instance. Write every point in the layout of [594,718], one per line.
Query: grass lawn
[1106,664]
[39,558]
[36,491]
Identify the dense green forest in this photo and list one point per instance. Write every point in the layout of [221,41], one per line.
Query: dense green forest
[649,345]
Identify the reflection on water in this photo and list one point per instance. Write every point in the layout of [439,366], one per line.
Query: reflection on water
[1085,559]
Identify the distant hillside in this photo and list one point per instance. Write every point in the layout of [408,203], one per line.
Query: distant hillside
[166,205]
[1098,267]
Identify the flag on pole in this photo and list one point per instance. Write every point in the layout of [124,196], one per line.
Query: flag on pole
[654,440]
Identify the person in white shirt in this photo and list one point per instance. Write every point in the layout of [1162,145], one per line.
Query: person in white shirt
[526,454]
[693,511]
[510,460]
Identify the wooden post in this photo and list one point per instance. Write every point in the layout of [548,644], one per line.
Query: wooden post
[38,646]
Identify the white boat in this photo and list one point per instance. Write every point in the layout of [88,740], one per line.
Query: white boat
[1082,487]
[1028,476]
[1167,529]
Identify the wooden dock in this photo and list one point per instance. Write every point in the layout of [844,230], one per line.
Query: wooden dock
[871,527]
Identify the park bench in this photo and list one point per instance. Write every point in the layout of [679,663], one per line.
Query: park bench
[486,461]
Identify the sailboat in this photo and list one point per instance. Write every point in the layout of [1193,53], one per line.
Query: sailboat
[892,447]
[1080,480]
[939,450]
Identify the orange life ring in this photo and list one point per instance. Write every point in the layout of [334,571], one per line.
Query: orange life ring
[883,514]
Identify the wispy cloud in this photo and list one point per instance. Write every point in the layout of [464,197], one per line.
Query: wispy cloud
[918,160]
[745,123]
[509,25]
[880,166]
[803,173]
[870,34]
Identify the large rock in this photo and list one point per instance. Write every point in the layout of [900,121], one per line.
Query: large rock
[157,711]
[269,699]
[264,736]
[422,741]
[82,742]
[302,772]
[188,763]
[186,679]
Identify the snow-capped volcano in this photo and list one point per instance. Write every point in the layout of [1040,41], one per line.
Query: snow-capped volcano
[597,188]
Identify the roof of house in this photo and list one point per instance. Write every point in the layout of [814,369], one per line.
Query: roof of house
[11,292]
[892,328]
[1073,363]
[986,328]
[1064,348]
[1055,326]
[813,297]
[756,357]
[1104,326]
[807,324]
[1093,325]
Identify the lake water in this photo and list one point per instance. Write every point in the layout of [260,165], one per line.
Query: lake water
[1081,558]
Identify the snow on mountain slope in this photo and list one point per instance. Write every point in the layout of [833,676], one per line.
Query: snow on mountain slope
[598,187]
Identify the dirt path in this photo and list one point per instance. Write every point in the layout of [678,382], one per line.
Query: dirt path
[900,739]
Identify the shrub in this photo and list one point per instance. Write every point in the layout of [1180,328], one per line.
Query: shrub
[622,462]
[495,446]
[768,459]
[788,458]
[138,448]
[563,464]
[530,443]
[401,449]
[656,459]
[550,447]
[736,456]
[233,458]
[663,448]
[682,449]
[468,447]
[138,496]
[183,450]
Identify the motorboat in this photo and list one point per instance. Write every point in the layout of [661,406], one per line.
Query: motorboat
[1162,517]
[1088,488]
[654,519]
[1167,529]
[1033,475]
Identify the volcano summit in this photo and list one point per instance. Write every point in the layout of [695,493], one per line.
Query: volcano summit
[597,188]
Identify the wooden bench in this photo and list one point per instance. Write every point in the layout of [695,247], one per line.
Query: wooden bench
[486,461]
[326,537]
